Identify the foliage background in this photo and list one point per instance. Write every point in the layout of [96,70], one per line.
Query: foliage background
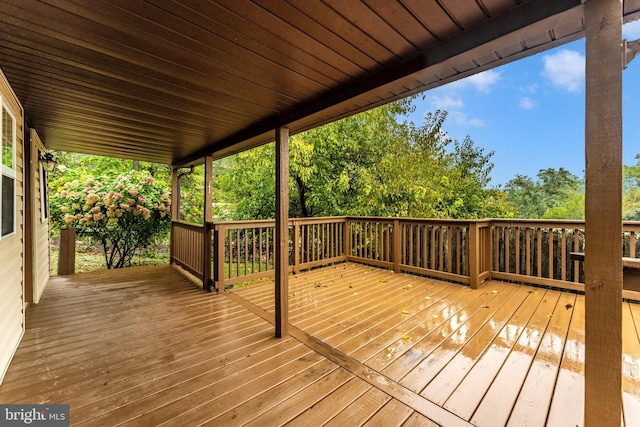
[376,163]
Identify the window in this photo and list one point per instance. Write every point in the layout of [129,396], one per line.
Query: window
[8,182]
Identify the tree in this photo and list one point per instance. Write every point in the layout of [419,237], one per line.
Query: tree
[124,214]
[369,164]
[631,191]
[555,194]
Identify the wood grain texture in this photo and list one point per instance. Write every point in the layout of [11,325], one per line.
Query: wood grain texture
[147,346]
[603,212]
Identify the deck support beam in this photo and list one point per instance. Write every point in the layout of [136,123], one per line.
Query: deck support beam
[282,232]
[603,213]
[208,223]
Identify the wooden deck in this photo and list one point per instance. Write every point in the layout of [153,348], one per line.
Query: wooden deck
[145,346]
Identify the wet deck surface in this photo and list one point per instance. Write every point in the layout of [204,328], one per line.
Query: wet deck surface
[145,346]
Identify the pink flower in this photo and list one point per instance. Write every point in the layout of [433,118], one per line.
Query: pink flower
[92,198]
[119,186]
[98,216]
[133,192]
[142,199]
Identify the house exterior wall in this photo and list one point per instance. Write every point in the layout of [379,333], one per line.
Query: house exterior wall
[11,248]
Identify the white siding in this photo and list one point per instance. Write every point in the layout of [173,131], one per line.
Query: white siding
[11,251]
[41,270]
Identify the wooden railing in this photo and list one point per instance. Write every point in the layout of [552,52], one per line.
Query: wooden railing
[187,247]
[438,248]
[243,250]
[538,252]
[465,251]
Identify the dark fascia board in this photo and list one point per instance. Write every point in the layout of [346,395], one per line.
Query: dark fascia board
[518,18]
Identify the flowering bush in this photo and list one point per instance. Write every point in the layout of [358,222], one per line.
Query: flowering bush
[124,213]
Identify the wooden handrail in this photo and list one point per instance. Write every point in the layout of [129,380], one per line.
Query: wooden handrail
[467,251]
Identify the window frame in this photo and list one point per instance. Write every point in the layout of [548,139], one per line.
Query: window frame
[6,171]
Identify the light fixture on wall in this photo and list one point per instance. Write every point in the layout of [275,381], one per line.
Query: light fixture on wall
[48,162]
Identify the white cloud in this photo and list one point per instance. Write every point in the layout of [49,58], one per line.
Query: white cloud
[461,119]
[482,82]
[446,102]
[532,88]
[527,103]
[631,30]
[565,69]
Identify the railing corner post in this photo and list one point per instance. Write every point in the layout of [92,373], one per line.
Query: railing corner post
[67,251]
[172,243]
[218,257]
[206,257]
[397,241]
[474,255]
[347,239]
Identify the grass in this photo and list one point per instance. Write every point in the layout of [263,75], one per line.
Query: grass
[91,258]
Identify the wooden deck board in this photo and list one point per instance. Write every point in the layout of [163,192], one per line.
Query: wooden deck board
[361,409]
[498,375]
[145,346]
[536,394]
[567,407]
[393,413]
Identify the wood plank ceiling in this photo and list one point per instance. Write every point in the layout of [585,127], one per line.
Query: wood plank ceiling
[170,81]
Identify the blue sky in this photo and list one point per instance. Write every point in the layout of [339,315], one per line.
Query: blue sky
[531,112]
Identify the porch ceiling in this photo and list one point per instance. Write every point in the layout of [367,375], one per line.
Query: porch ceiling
[170,81]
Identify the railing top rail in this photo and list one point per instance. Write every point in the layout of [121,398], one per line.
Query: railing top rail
[515,222]
[519,222]
[271,222]
[443,221]
[189,225]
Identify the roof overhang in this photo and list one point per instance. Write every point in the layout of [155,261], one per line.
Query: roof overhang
[173,81]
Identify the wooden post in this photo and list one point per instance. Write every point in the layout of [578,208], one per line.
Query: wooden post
[218,257]
[486,249]
[347,239]
[603,213]
[175,195]
[282,232]
[208,218]
[474,255]
[67,252]
[397,241]
[175,207]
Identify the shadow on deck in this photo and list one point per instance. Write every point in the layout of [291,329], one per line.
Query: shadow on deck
[145,346]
